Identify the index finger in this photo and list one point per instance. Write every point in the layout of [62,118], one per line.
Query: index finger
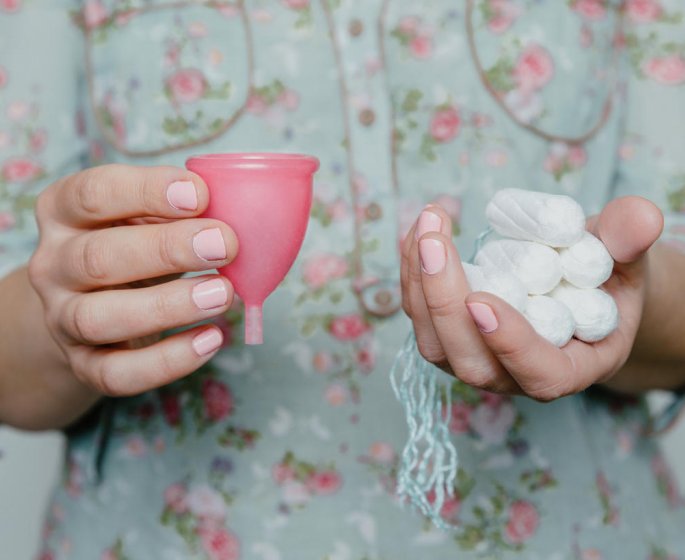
[105,194]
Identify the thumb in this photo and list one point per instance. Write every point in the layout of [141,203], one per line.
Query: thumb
[628,226]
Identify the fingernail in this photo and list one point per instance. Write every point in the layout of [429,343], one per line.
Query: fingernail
[428,221]
[210,294]
[483,316]
[209,245]
[182,195]
[432,254]
[207,341]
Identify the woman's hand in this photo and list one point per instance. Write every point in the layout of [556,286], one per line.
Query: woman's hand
[113,242]
[486,343]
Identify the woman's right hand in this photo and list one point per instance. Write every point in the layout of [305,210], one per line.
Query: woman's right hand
[113,242]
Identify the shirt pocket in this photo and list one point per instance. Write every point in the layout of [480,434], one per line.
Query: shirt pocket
[551,66]
[163,76]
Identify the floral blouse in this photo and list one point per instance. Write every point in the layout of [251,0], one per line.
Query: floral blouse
[288,451]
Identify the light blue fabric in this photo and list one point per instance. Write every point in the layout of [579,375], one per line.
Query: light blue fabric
[291,450]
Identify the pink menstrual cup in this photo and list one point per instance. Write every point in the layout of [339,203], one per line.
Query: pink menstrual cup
[266,199]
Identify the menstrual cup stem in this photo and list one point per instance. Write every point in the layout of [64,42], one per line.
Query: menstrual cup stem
[253,324]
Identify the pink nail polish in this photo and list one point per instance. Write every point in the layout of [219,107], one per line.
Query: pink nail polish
[210,294]
[209,245]
[432,254]
[182,195]
[428,221]
[483,316]
[207,341]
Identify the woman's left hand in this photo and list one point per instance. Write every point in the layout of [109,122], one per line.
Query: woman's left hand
[486,343]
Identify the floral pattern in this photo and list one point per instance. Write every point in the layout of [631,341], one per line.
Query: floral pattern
[242,458]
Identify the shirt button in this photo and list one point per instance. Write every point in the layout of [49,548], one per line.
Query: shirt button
[373,212]
[367,117]
[356,28]
[382,298]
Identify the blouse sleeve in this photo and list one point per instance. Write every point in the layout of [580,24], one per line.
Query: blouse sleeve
[40,95]
[652,151]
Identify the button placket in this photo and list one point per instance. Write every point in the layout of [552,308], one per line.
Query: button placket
[356,31]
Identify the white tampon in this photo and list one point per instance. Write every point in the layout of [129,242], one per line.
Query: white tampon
[593,310]
[586,264]
[500,283]
[551,319]
[537,266]
[550,219]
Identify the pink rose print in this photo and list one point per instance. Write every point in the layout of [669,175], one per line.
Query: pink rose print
[187,85]
[300,481]
[171,409]
[197,30]
[324,482]
[38,140]
[289,99]
[415,37]
[135,446]
[282,472]
[409,25]
[445,124]
[492,423]
[459,418]
[348,327]
[322,362]
[10,5]
[450,506]
[206,503]
[591,554]
[611,514]
[668,70]
[175,498]
[3,77]
[337,394]
[219,543]
[501,14]
[365,359]
[18,110]
[217,398]
[590,9]
[563,158]
[296,4]
[256,104]
[321,269]
[7,221]
[421,46]
[523,522]
[643,11]
[382,452]
[20,170]
[534,68]
[94,14]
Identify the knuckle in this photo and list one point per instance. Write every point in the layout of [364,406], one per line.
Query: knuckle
[431,351]
[88,193]
[83,324]
[549,393]
[167,250]
[163,308]
[167,365]
[41,207]
[149,194]
[444,305]
[91,259]
[109,378]
[37,269]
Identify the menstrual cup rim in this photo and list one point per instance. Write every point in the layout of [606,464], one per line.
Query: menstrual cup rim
[256,160]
